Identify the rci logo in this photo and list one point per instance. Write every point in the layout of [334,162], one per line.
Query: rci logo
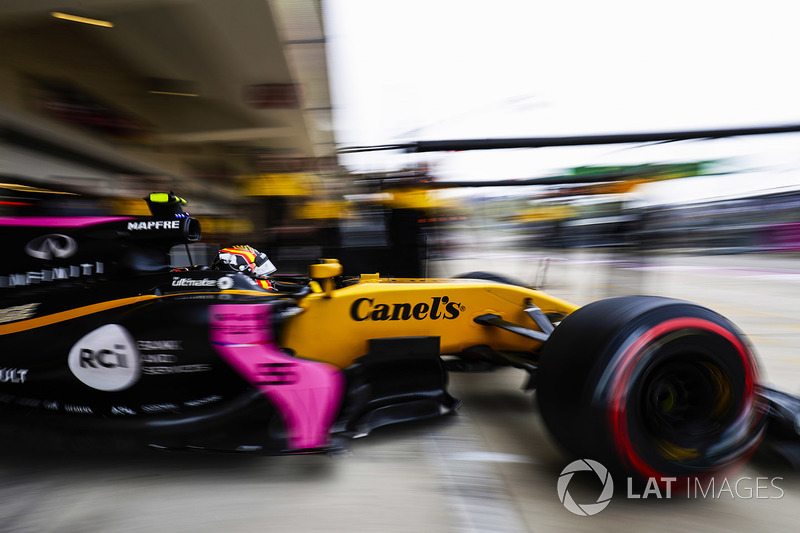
[106,359]
[587,509]
[439,307]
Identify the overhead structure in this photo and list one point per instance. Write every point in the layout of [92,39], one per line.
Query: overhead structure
[573,140]
[198,91]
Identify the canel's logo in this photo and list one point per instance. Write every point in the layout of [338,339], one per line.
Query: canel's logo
[54,245]
[586,509]
[440,307]
[106,359]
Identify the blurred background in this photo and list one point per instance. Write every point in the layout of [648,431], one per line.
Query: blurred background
[243,107]
[247,109]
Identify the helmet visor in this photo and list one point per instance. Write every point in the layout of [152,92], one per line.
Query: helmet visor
[264,266]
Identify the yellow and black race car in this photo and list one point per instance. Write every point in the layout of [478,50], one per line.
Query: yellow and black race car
[101,336]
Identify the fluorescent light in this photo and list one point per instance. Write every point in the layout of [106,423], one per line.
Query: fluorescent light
[173,87]
[82,20]
[173,93]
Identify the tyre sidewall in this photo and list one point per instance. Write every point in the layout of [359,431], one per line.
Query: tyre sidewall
[594,371]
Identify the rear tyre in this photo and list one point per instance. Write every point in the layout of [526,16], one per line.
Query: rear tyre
[652,388]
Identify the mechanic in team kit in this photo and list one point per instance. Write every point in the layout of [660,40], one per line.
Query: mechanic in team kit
[247,260]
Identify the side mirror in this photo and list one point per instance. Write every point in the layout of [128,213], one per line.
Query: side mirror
[325,273]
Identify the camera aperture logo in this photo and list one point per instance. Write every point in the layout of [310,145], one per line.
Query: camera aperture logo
[585,509]
[743,488]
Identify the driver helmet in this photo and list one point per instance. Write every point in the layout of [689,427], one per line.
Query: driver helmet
[245,259]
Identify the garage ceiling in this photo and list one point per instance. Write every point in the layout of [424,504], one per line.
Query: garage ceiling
[215,49]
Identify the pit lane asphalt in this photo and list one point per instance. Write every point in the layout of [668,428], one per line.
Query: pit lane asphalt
[492,467]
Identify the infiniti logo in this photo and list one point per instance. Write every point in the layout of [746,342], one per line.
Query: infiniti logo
[54,245]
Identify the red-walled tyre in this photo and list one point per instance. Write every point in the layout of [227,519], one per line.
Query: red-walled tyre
[652,388]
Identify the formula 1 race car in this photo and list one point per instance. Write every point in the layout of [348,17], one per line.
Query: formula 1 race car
[100,335]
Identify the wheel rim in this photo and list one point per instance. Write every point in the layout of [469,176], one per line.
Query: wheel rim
[687,403]
[683,401]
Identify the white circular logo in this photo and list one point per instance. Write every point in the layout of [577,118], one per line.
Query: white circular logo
[225,283]
[586,509]
[106,359]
